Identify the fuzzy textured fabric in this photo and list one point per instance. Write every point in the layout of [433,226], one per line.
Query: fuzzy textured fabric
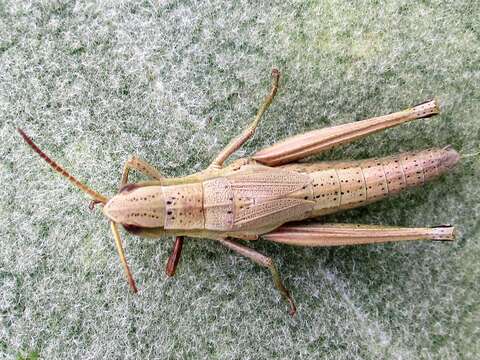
[173,81]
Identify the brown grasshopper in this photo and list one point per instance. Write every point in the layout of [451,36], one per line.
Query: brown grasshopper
[259,196]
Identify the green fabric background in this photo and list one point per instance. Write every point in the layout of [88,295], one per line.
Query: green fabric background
[173,82]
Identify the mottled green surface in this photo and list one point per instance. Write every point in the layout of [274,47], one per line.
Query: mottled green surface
[173,81]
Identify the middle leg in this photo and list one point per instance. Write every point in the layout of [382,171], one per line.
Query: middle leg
[265,261]
[236,143]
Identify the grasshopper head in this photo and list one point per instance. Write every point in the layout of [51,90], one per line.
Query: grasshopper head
[139,206]
[113,207]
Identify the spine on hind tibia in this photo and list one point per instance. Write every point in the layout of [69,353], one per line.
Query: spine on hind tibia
[344,185]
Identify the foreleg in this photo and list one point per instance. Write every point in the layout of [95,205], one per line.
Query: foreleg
[121,254]
[135,163]
[175,256]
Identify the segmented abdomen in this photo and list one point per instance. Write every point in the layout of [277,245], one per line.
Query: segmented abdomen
[351,184]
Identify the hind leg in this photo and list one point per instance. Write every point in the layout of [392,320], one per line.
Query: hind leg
[354,234]
[314,142]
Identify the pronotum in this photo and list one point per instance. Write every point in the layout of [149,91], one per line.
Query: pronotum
[260,196]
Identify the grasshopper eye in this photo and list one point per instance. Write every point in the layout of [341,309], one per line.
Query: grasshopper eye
[127,188]
[133,229]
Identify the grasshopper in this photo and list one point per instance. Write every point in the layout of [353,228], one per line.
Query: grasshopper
[268,194]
